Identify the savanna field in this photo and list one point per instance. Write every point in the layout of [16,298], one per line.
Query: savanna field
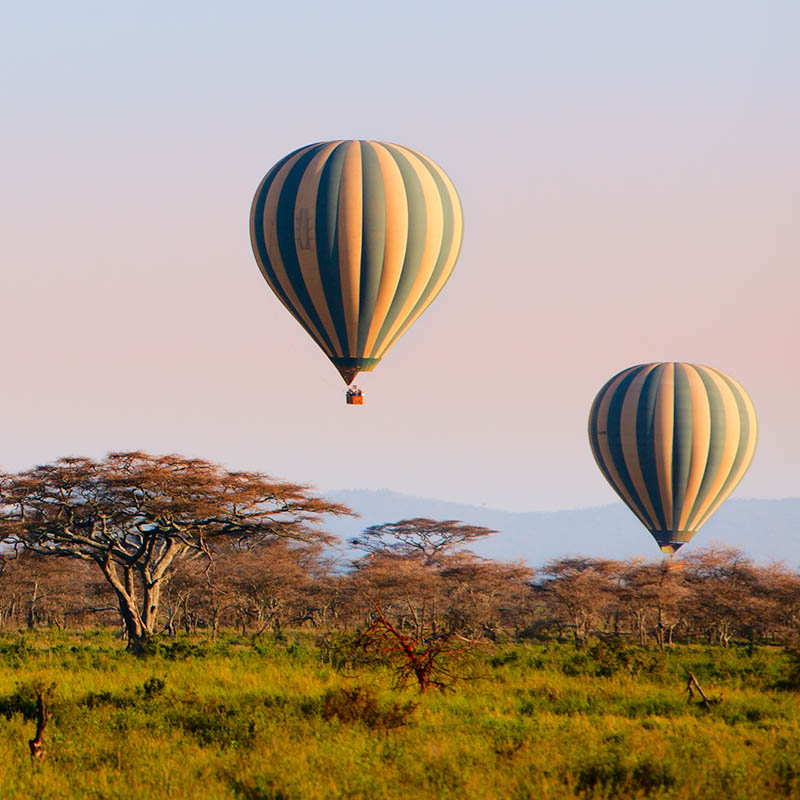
[290,717]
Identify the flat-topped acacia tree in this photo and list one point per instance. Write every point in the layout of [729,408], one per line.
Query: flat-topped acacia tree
[135,515]
[429,538]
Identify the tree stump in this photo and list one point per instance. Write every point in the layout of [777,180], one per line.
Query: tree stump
[43,715]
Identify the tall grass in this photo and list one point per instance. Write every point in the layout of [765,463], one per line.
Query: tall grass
[274,719]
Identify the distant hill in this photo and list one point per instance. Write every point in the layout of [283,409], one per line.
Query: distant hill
[766,530]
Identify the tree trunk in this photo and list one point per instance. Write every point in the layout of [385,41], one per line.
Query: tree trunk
[134,629]
[32,607]
[187,625]
[660,629]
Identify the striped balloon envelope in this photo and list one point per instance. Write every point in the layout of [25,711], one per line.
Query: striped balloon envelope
[356,238]
[673,440]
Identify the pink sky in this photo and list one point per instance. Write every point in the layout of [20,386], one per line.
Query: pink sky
[630,190]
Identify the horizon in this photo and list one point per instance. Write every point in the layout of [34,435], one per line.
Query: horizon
[473,504]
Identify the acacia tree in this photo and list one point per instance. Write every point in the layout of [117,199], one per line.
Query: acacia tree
[578,590]
[722,596]
[429,538]
[404,587]
[651,594]
[136,515]
[268,585]
[482,595]
[404,595]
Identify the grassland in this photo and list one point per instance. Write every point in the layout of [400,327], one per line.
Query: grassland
[275,719]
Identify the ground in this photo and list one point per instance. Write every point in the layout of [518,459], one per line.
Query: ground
[284,718]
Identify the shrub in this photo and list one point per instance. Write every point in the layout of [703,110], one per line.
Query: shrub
[613,773]
[610,656]
[22,701]
[361,705]
[225,727]
[149,690]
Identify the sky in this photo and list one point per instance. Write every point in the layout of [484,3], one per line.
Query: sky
[630,178]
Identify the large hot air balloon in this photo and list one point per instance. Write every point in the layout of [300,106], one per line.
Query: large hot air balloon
[356,238]
[673,440]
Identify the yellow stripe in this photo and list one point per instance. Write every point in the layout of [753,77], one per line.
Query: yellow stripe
[434,229]
[605,458]
[350,221]
[701,442]
[731,440]
[752,437]
[395,244]
[747,457]
[663,432]
[273,251]
[630,408]
[458,220]
[305,212]
[452,256]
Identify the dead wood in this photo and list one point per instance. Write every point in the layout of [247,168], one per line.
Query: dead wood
[43,714]
[705,701]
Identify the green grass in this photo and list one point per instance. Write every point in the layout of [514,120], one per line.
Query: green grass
[272,719]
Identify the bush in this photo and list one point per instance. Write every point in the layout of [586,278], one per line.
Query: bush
[22,701]
[227,727]
[790,679]
[179,650]
[610,656]
[613,773]
[361,705]
[149,690]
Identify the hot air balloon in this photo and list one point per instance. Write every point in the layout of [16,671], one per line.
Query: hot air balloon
[356,238]
[673,440]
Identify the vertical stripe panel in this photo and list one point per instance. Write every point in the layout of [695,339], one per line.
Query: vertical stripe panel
[285,234]
[728,428]
[395,244]
[700,412]
[326,229]
[681,439]
[373,242]
[257,238]
[452,233]
[645,442]
[606,441]
[274,255]
[305,227]
[748,436]
[431,247]
[662,438]
[630,448]
[349,239]
[716,443]
[415,244]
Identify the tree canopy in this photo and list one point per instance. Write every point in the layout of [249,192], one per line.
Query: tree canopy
[135,515]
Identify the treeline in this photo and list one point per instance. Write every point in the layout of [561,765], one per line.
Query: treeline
[714,595]
[168,544]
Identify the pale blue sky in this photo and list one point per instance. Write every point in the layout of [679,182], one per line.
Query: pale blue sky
[629,174]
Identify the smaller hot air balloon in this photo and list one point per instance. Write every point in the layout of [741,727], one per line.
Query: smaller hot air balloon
[356,239]
[673,440]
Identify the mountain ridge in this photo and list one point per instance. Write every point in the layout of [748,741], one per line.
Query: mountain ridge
[766,530]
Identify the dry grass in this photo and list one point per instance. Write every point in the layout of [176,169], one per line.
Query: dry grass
[273,721]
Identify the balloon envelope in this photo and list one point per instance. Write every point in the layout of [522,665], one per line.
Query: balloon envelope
[356,238]
[673,440]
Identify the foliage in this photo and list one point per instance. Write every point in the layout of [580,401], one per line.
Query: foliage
[361,704]
[428,538]
[272,718]
[136,516]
